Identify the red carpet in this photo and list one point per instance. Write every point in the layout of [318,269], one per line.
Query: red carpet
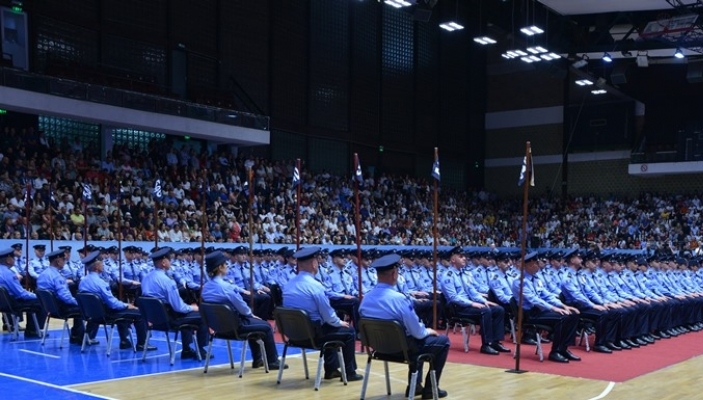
[618,367]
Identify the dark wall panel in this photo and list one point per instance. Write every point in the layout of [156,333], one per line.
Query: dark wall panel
[427,85]
[397,65]
[289,65]
[61,42]
[329,64]
[134,55]
[365,72]
[143,20]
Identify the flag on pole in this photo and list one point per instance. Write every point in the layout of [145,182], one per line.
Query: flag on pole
[296,177]
[358,175]
[158,192]
[435,169]
[523,171]
[87,193]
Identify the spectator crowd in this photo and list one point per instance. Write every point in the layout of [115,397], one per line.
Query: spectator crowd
[394,210]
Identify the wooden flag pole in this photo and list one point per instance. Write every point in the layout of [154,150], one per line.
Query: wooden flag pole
[523,249]
[203,224]
[119,241]
[250,177]
[26,234]
[297,205]
[357,222]
[434,247]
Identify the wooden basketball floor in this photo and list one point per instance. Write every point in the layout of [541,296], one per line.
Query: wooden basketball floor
[124,376]
[681,381]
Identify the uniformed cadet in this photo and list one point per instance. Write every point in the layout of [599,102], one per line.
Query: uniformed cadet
[19,263]
[39,263]
[287,271]
[219,291]
[590,306]
[158,284]
[467,301]
[541,307]
[303,292]
[128,313]
[52,281]
[368,274]
[339,288]
[20,296]
[384,302]
[263,304]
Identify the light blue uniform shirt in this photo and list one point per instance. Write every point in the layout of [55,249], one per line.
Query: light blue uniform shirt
[384,302]
[501,286]
[303,292]
[37,266]
[94,284]
[8,280]
[571,289]
[52,281]
[339,283]
[457,290]
[534,294]
[158,284]
[219,291]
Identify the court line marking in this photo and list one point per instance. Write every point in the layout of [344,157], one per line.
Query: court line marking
[64,388]
[163,373]
[38,353]
[605,391]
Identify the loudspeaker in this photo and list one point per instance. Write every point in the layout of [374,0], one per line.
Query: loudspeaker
[619,74]
[695,72]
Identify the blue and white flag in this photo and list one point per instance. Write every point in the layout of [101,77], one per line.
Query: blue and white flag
[524,171]
[158,192]
[87,193]
[358,175]
[435,169]
[296,177]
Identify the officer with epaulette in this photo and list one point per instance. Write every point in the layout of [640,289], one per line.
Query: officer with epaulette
[18,266]
[467,301]
[263,305]
[20,296]
[288,270]
[340,289]
[384,303]
[368,275]
[542,307]
[39,263]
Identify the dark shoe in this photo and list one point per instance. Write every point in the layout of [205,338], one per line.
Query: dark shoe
[334,374]
[140,347]
[528,340]
[655,336]
[75,340]
[418,390]
[641,342]
[632,343]
[624,345]
[614,347]
[486,349]
[440,393]
[125,344]
[602,349]
[545,339]
[93,342]
[33,335]
[648,339]
[354,377]
[497,346]
[188,354]
[258,364]
[203,354]
[277,365]
[571,356]
[557,357]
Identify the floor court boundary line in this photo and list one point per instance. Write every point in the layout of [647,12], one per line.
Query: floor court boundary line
[38,353]
[605,391]
[163,373]
[51,385]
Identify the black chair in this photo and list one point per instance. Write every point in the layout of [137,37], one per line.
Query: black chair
[93,310]
[508,313]
[538,328]
[51,306]
[9,307]
[297,330]
[386,341]
[224,324]
[157,318]
[454,320]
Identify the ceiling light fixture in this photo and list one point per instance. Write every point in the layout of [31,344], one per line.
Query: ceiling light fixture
[607,58]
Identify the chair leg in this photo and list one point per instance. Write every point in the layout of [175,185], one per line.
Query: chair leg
[46,329]
[283,362]
[209,350]
[16,327]
[36,324]
[146,344]
[85,341]
[229,352]
[264,356]
[197,347]
[365,383]
[318,377]
[512,330]
[241,358]
[171,350]
[539,346]
[411,388]
[64,329]
[109,339]
[465,338]
[388,377]
[342,366]
[305,365]
[433,379]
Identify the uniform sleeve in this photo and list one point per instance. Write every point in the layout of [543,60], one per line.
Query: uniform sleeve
[410,320]
[110,299]
[326,311]
[450,292]
[239,303]
[174,299]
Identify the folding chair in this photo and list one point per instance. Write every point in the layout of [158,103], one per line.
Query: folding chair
[93,310]
[538,328]
[455,320]
[13,309]
[51,306]
[157,318]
